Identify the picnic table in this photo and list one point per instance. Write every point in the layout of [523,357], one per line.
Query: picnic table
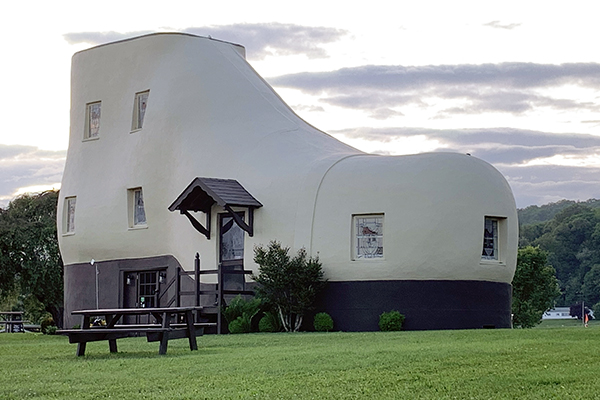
[161,331]
[12,321]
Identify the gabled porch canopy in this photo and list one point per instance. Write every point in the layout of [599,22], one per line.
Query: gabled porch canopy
[203,193]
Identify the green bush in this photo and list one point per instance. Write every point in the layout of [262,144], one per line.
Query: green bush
[323,322]
[288,283]
[269,323]
[45,323]
[240,325]
[391,321]
[238,307]
[596,309]
[51,330]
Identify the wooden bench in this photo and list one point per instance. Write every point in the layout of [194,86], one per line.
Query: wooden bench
[161,332]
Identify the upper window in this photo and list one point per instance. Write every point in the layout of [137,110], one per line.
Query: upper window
[367,236]
[69,212]
[490,239]
[137,212]
[139,109]
[92,120]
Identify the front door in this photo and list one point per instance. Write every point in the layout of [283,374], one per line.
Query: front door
[141,291]
[231,251]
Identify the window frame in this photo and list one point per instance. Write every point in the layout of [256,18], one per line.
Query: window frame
[133,207]
[87,133]
[68,217]
[136,124]
[499,240]
[355,253]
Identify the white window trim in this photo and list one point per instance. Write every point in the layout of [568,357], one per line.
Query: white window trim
[131,209]
[354,236]
[135,114]
[86,131]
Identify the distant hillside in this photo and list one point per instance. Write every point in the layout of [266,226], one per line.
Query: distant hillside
[571,237]
[535,214]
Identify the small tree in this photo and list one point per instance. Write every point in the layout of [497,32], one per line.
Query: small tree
[289,284]
[534,287]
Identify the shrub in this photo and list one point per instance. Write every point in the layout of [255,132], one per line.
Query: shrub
[240,325]
[323,322]
[242,311]
[45,323]
[391,321]
[51,330]
[596,309]
[269,323]
[290,284]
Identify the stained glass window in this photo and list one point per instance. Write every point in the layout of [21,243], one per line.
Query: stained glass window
[70,218]
[232,240]
[139,213]
[368,236]
[93,120]
[139,109]
[490,239]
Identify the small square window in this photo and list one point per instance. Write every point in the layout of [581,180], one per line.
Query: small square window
[69,212]
[490,239]
[367,236]
[92,120]
[137,211]
[139,109]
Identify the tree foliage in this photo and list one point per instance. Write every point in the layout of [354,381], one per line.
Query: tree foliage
[289,284]
[572,240]
[534,287]
[30,261]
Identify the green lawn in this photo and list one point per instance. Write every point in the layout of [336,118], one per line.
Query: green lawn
[558,363]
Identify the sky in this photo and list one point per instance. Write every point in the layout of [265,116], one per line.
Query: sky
[514,83]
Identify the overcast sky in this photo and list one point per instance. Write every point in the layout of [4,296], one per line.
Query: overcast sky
[515,83]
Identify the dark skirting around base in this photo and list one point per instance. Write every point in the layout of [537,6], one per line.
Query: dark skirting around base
[435,304]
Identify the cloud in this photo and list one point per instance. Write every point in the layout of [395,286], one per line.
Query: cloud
[513,152]
[499,25]
[515,88]
[26,166]
[260,39]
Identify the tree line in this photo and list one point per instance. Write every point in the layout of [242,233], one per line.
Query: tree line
[31,268]
[569,232]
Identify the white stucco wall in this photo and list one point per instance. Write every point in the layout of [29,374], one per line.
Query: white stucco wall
[209,114]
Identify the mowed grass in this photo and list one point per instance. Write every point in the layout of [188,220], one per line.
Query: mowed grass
[558,363]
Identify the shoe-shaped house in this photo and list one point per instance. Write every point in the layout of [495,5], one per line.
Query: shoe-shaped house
[168,129]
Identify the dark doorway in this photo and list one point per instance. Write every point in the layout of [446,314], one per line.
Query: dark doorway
[141,290]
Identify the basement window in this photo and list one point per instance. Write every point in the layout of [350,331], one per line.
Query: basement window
[367,236]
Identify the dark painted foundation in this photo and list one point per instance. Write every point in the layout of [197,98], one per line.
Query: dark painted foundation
[356,306]
[80,284]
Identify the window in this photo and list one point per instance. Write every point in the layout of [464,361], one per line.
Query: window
[92,120]
[69,212]
[490,239]
[367,236]
[137,212]
[139,109]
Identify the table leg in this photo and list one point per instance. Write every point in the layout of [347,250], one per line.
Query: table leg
[81,349]
[189,319]
[112,345]
[164,340]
